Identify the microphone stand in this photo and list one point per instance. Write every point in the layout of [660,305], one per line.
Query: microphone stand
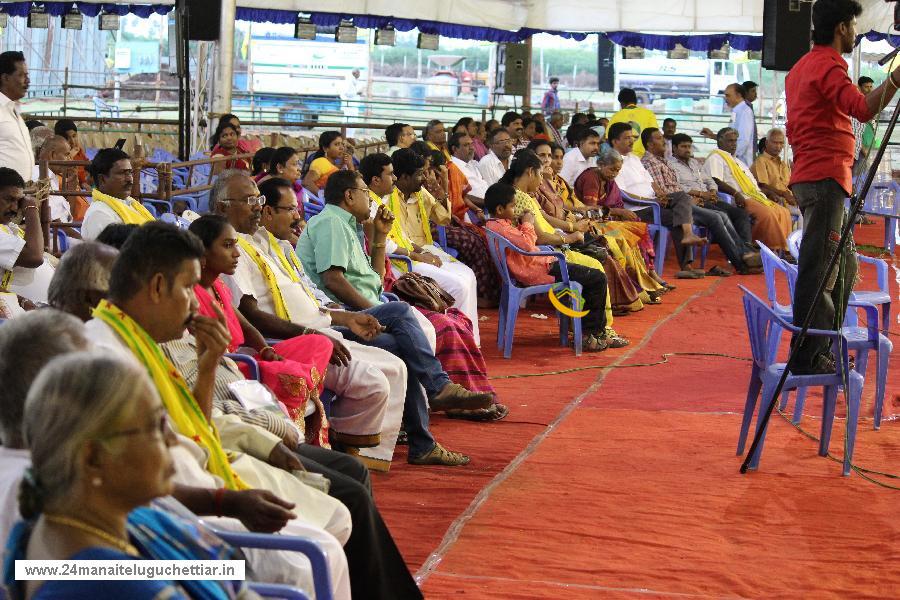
[857,201]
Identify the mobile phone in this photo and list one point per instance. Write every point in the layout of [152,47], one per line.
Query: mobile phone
[120,144]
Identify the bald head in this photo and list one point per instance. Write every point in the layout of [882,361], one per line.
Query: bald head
[55,148]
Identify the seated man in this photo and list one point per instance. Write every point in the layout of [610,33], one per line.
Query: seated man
[24,269]
[413,207]
[713,220]
[635,181]
[703,189]
[112,202]
[435,135]
[399,135]
[771,222]
[773,174]
[462,159]
[583,156]
[275,300]
[495,163]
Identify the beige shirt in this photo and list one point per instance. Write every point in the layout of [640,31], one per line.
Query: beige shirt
[411,219]
[772,171]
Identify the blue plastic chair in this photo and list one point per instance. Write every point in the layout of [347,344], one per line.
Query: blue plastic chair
[512,296]
[277,590]
[656,229]
[157,207]
[442,241]
[173,219]
[860,340]
[62,241]
[766,373]
[312,551]
[247,360]
[191,200]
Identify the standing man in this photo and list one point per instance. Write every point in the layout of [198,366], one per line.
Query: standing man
[640,118]
[670,126]
[820,101]
[15,141]
[750,90]
[742,121]
[863,133]
[351,95]
[550,102]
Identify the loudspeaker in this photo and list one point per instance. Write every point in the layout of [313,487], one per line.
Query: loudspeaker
[787,30]
[204,18]
[512,69]
[606,64]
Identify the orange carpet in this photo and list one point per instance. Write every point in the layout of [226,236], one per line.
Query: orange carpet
[622,482]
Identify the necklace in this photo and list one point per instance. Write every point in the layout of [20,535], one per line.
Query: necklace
[98,533]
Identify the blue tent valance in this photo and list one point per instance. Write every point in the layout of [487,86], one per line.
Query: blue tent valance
[451,30]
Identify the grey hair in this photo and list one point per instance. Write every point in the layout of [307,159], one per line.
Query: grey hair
[39,135]
[774,130]
[217,193]
[608,156]
[723,132]
[84,267]
[75,399]
[27,343]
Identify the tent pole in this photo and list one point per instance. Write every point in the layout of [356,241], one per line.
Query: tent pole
[526,100]
[224,68]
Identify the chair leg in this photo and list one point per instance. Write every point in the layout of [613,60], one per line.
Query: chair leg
[577,333]
[749,405]
[828,407]
[853,399]
[886,317]
[767,390]
[563,329]
[661,242]
[798,405]
[512,311]
[882,358]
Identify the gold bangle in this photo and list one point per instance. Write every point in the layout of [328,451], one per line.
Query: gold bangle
[380,245]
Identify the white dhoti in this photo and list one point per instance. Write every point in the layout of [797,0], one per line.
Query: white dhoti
[458,280]
[373,375]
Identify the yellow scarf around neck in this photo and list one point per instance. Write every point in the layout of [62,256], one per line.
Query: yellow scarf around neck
[173,390]
[291,265]
[747,186]
[135,214]
[423,216]
[268,274]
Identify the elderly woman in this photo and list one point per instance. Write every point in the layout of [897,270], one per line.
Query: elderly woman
[100,453]
[596,187]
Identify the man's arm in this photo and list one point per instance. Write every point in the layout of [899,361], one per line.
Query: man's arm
[212,342]
[32,255]
[341,289]
[268,324]
[259,510]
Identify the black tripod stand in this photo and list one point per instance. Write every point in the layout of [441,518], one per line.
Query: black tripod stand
[858,199]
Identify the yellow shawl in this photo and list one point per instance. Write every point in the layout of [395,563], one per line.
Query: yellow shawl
[135,214]
[745,183]
[291,265]
[281,310]
[173,390]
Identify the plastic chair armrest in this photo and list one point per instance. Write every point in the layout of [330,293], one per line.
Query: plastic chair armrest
[653,204]
[406,259]
[277,590]
[881,270]
[247,360]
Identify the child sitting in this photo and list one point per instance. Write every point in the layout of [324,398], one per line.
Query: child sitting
[500,203]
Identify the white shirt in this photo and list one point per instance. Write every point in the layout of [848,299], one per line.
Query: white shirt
[351,88]
[716,167]
[491,168]
[742,120]
[476,180]
[60,210]
[27,282]
[574,164]
[12,467]
[15,141]
[248,280]
[634,179]
[98,216]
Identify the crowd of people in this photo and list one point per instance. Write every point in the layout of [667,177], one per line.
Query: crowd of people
[374,301]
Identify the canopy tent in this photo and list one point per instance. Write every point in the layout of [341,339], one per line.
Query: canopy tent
[705,23]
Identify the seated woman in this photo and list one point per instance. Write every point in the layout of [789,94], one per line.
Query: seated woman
[284,163]
[500,203]
[100,453]
[331,157]
[295,368]
[228,137]
[261,161]
[524,174]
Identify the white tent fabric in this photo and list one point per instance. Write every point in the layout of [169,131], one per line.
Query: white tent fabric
[878,15]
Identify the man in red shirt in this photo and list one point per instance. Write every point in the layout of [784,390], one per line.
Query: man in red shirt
[820,101]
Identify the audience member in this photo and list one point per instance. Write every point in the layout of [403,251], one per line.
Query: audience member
[751,88]
[81,280]
[773,174]
[67,129]
[113,177]
[285,164]
[639,117]
[331,157]
[554,127]
[496,162]
[261,161]
[227,145]
[62,210]
[16,151]
[771,222]
[24,269]
[863,133]
[512,123]
[435,135]
[583,155]
[399,135]
[669,127]
[462,158]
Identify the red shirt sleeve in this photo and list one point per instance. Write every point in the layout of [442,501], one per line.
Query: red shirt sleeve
[837,87]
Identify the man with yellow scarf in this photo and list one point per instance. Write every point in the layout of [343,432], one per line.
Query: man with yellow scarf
[771,221]
[151,301]
[111,200]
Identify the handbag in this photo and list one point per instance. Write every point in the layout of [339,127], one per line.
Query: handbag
[423,292]
[593,246]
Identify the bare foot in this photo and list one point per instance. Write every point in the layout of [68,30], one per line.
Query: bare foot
[693,240]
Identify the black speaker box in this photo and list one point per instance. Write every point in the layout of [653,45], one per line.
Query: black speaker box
[787,29]
[606,64]
[203,19]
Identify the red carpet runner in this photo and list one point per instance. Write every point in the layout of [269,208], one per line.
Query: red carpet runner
[623,482]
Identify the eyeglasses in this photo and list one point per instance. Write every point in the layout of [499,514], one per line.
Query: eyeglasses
[360,189]
[158,427]
[250,200]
